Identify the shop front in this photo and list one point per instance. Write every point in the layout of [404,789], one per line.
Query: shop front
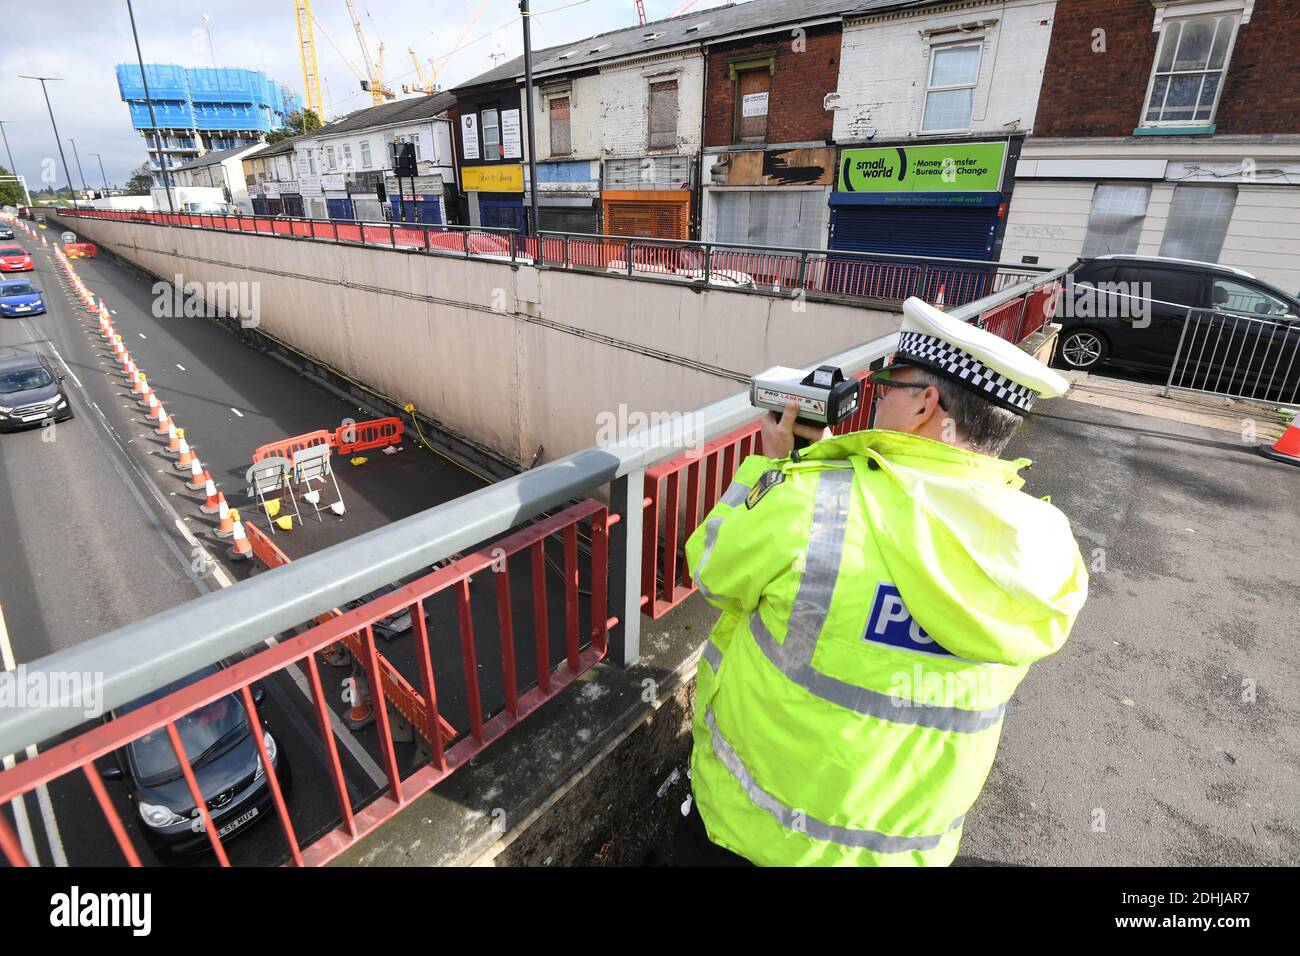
[291,199]
[568,197]
[496,196]
[647,196]
[934,201]
[274,205]
[419,199]
[334,188]
[775,197]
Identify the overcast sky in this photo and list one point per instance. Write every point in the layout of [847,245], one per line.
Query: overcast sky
[83,40]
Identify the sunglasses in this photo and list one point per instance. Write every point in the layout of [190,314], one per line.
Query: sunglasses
[886,378]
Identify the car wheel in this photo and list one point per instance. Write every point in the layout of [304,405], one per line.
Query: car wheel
[1083,350]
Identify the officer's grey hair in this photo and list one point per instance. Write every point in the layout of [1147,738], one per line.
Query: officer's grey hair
[985,427]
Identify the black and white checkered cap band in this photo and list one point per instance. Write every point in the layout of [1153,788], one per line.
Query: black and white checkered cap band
[965,369]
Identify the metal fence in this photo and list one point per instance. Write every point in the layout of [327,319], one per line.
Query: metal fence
[1238,355]
[780,270]
[281,620]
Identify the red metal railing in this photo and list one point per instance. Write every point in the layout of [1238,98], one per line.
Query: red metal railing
[1020,318]
[700,476]
[81,751]
[823,271]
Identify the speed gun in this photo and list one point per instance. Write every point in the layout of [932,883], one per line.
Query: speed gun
[824,395]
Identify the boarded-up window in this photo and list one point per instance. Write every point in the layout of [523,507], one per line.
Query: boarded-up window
[753,88]
[561,145]
[663,115]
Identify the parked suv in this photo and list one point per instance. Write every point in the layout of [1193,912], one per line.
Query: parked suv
[30,392]
[1130,311]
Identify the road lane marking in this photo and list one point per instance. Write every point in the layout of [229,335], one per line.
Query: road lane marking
[238,412]
[52,834]
[180,366]
[141,334]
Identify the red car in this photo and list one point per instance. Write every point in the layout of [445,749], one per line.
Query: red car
[15,259]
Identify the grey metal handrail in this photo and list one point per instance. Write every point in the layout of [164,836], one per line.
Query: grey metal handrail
[147,654]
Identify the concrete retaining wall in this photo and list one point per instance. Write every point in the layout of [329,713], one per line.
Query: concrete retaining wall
[512,357]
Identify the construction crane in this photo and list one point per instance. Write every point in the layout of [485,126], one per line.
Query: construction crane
[312,100]
[426,85]
[374,84]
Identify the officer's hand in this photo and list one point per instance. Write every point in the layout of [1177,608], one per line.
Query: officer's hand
[778,433]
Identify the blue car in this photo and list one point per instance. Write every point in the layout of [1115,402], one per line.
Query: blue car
[20,297]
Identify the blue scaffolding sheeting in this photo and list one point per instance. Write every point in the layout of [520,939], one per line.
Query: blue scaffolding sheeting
[205,98]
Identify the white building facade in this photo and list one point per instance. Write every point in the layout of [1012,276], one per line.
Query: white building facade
[931,109]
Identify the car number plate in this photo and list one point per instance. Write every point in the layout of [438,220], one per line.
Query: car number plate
[35,418]
[237,822]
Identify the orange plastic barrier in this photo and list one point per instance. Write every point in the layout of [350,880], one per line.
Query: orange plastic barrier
[361,436]
[399,692]
[77,250]
[379,433]
[287,446]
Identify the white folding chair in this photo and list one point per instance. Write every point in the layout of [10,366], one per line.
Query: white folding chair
[269,479]
[313,464]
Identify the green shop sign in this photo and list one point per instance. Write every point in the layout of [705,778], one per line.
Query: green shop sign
[955,168]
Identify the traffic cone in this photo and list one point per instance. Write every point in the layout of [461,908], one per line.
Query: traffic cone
[240,550]
[174,437]
[146,393]
[938,299]
[1287,448]
[213,504]
[199,476]
[186,457]
[156,412]
[118,347]
[225,513]
[165,423]
[361,714]
[139,386]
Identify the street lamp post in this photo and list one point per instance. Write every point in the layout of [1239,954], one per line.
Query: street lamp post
[12,169]
[78,159]
[101,171]
[528,93]
[58,142]
[153,121]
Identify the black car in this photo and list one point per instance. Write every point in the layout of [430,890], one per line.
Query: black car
[227,767]
[6,232]
[30,391]
[1131,311]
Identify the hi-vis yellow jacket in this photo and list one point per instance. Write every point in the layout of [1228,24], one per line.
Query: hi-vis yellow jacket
[881,600]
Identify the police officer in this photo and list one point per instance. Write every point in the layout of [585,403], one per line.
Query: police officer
[882,595]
